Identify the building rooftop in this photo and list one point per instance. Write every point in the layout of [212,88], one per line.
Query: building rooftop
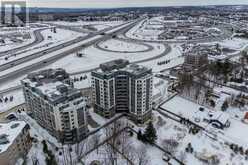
[48,75]
[9,132]
[122,65]
[136,69]
[49,85]
[115,64]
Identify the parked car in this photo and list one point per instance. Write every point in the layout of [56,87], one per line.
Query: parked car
[166,157]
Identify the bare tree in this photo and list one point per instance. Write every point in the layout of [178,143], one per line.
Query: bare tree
[124,142]
[131,154]
[182,156]
[96,140]
[161,122]
[170,145]
[113,132]
[81,148]
[141,156]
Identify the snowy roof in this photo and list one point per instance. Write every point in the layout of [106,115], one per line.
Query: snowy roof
[57,91]
[50,85]
[122,65]
[48,75]
[114,64]
[219,116]
[136,69]
[9,132]
[50,89]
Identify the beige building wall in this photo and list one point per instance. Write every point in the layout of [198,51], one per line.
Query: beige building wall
[18,149]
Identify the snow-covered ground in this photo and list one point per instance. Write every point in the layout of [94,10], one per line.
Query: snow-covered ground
[18,99]
[50,40]
[174,56]
[122,46]
[12,45]
[93,57]
[139,32]
[236,133]
[234,43]
[200,142]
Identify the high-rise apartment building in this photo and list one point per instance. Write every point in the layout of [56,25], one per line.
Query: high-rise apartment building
[56,105]
[122,87]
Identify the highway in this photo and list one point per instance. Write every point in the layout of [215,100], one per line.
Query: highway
[71,28]
[38,39]
[21,66]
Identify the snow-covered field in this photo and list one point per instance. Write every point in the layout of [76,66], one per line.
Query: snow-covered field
[122,46]
[50,39]
[93,57]
[235,43]
[12,45]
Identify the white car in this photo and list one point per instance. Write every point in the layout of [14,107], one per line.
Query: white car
[166,158]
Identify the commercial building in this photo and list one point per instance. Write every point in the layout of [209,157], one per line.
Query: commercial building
[15,141]
[56,105]
[120,87]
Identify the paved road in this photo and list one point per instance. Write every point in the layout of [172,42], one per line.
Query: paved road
[226,34]
[166,51]
[38,39]
[32,56]
[42,64]
[71,28]
[147,49]
[107,34]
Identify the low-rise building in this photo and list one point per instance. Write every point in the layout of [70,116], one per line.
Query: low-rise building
[15,141]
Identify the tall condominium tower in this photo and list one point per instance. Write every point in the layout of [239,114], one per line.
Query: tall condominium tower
[122,87]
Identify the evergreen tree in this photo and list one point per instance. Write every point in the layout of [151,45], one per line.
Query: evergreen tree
[150,134]
[212,103]
[45,148]
[140,135]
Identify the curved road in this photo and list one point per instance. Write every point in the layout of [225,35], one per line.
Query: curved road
[33,56]
[148,47]
[38,39]
[167,50]
[164,53]
[226,34]
[11,68]
[37,66]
